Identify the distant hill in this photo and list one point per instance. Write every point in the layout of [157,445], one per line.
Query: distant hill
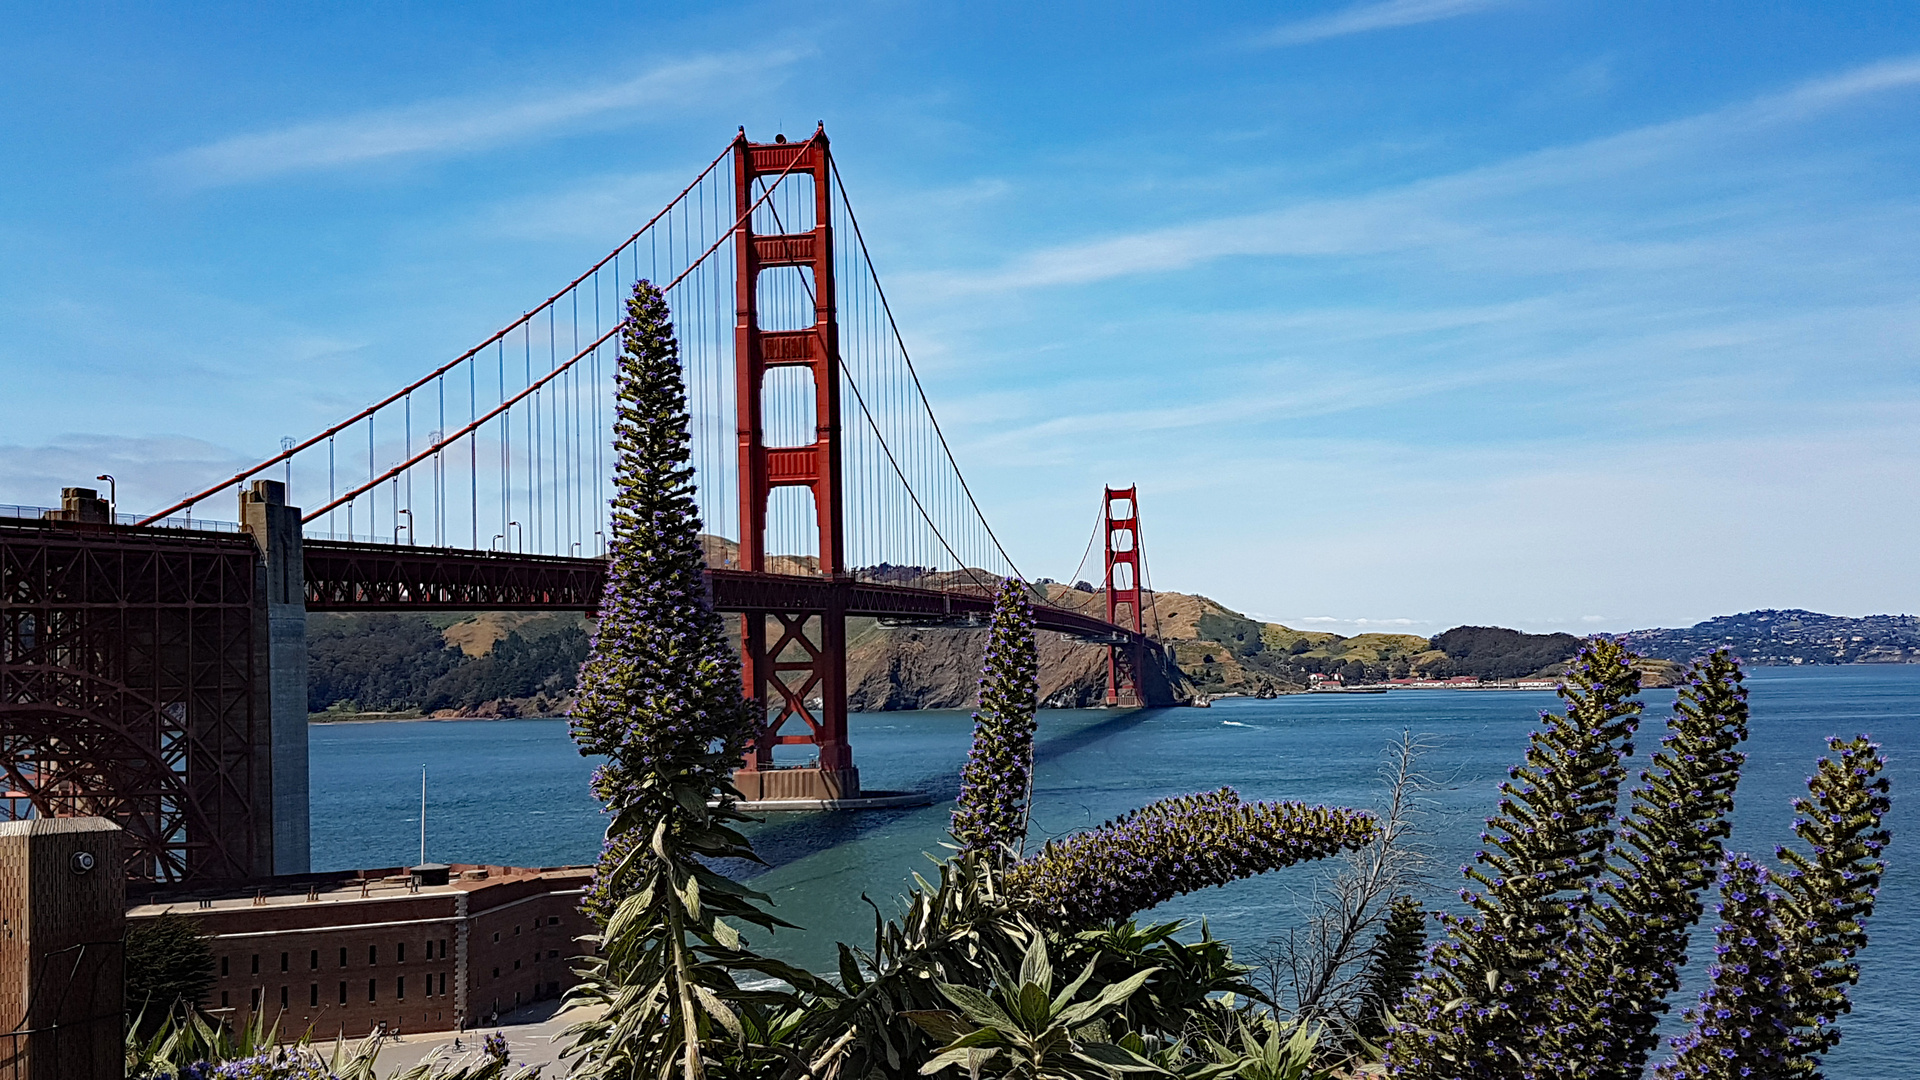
[489,664]
[521,663]
[1223,651]
[1793,636]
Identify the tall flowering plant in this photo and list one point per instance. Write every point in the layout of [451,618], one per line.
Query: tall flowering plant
[1624,957]
[660,698]
[1780,984]
[1172,847]
[996,784]
[659,695]
[1828,895]
[1487,985]
[1742,1025]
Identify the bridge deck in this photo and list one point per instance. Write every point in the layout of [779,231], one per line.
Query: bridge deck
[344,576]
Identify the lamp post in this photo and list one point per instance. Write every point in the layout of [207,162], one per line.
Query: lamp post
[522,536]
[409,526]
[113,498]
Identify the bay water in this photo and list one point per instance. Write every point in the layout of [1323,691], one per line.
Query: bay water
[515,792]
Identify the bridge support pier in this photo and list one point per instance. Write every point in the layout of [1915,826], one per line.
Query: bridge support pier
[802,676]
[275,528]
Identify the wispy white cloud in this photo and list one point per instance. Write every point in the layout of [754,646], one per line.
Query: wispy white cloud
[1426,213]
[148,471]
[1385,15]
[456,125]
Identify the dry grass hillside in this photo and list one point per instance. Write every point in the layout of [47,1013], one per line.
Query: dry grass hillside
[1216,649]
[1224,651]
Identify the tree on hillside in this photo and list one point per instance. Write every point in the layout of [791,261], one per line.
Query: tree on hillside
[1494,652]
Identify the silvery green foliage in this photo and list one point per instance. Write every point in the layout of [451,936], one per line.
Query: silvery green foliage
[1625,955]
[659,694]
[1175,846]
[996,784]
[1483,999]
[1020,1028]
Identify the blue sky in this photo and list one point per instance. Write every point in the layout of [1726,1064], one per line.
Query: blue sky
[1404,314]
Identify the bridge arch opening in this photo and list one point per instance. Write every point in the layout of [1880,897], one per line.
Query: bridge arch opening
[1122,576]
[785,298]
[787,407]
[790,209]
[793,531]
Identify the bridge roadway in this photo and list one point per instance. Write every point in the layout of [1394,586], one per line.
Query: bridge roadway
[344,576]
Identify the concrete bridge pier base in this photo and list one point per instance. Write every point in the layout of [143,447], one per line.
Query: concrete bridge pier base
[275,528]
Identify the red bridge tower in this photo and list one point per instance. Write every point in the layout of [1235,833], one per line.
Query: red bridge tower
[800,667]
[1126,664]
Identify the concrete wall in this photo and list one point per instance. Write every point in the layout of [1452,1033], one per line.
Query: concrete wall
[62,975]
[275,527]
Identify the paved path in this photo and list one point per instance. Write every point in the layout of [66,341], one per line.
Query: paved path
[529,1033]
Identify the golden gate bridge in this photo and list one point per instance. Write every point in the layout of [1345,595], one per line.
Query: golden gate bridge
[154,671]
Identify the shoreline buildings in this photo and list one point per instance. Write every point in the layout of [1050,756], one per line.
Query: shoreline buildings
[426,948]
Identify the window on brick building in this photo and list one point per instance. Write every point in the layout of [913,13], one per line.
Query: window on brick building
[223,967]
[256,963]
[313,998]
[343,993]
[314,961]
[400,953]
[283,997]
[496,936]
[284,962]
[371,983]
[343,956]
[553,920]
[373,955]
[496,973]
[443,948]
[443,982]
[516,965]
[516,929]
[253,998]
[224,1003]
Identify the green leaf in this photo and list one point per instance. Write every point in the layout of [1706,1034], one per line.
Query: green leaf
[1072,989]
[689,894]
[948,1060]
[1107,998]
[1109,1056]
[978,1007]
[941,1024]
[1035,968]
[714,1007]
[1034,1010]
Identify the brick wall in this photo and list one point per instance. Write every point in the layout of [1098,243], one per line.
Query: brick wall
[343,964]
